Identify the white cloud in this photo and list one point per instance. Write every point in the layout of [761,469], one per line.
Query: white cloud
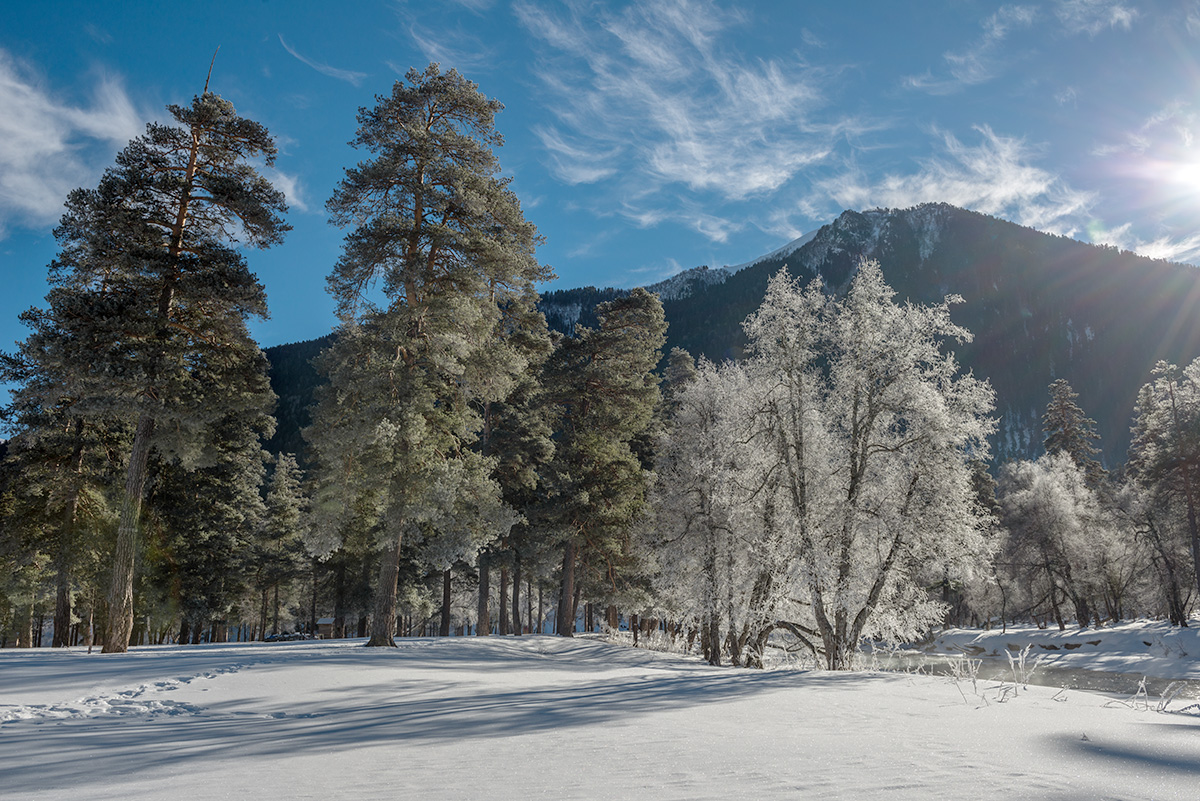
[452,48]
[980,61]
[289,185]
[996,177]
[1093,16]
[656,84]
[575,163]
[1186,248]
[49,146]
[349,76]
[1165,246]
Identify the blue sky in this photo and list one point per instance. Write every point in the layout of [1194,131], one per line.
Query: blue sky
[642,138]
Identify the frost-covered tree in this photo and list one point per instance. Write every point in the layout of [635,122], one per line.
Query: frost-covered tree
[1165,454]
[857,432]
[707,556]
[518,433]
[146,316]
[871,429]
[1068,430]
[1062,536]
[819,487]
[438,263]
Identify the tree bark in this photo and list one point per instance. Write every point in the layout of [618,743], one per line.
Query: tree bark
[383,622]
[444,629]
[312,603]
[119,622]
[504,621]
[339,600]
[565,625]
[262,616]
[483,624]
[516,598]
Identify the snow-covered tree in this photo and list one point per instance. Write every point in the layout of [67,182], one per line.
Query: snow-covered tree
[871,429]
[1062,536]
[438,263]
[712,566]
[824,483]
[1165,454]
[1068,430]
[145,320]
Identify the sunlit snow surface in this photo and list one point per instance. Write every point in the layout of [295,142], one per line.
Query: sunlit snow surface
[543,717]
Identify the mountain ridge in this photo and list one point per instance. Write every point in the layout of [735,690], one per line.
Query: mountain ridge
[1040,307]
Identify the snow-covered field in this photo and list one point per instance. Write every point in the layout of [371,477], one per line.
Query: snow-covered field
[544,717]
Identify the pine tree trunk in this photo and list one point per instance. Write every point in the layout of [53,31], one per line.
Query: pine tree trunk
[62,603]
[503,627]
[483,624]
[577,597]
[383,622]
[444,631]
[312,603]
[516,598]
[565,625]
[119,622]
[339,600]
[262,616]
[541,607]
[275,612]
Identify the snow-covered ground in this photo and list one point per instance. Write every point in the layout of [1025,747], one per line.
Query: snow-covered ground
[544,717]
[1157,650]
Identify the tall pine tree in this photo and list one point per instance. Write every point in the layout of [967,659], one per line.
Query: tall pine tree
[1068,430]
[603,379]
[146,315]
[438,261]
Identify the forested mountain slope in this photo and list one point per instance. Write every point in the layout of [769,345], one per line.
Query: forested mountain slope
[1041,307]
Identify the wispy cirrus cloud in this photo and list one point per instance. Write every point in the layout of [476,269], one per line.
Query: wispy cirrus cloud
[995,176]
[981,60]
[1172,247]
[1093,16]
[452,47]
[652,99]
[349,76]
[49,146]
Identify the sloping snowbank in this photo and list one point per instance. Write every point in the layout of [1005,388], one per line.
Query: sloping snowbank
[532,717]
[1150,648]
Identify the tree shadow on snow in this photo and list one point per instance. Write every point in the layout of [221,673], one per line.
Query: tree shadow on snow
[550,688]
